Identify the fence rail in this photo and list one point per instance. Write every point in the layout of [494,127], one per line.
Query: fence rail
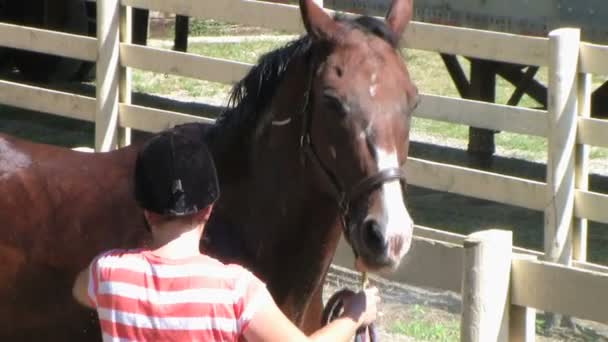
[437,258]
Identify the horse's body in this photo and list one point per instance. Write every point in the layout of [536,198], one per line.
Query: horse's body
[281,210]
[58,208]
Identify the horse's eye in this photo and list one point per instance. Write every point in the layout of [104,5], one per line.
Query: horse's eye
[332,102]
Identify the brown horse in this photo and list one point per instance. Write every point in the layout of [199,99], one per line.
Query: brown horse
[313,143]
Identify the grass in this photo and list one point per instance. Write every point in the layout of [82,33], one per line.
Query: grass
[420,327]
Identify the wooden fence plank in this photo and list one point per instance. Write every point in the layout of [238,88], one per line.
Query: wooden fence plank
[483,115]
[490,186]
[182,64]
[458,239]
[592,132]
[429,263]
[497,46]
[590,266]
[47,101]
[446,39]
[591,205]
[593,59]
[51,42]
[254,13]
[439,235]
[154,120]
[557,288]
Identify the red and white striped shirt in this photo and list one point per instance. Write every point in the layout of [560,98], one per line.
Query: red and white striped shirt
[142,297]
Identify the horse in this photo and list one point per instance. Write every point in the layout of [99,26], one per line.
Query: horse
[311,146]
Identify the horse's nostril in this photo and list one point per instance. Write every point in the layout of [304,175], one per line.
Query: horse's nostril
[374,238]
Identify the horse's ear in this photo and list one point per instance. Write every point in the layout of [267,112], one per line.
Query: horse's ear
[318,24]
[399,15]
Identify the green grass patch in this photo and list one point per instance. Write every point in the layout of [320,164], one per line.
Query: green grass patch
[422,328]
[210,27]
[176,86]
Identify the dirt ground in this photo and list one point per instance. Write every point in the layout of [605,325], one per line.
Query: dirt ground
[400,303]
[403,304]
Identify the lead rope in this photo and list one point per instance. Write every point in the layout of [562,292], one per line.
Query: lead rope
[334,306]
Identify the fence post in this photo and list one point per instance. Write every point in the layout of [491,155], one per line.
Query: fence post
[485,286]
[562,107]
[107,75]
[522,320]
[126,20]
[581,162]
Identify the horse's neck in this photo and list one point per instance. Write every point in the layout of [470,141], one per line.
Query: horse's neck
[290,227]
[300,222]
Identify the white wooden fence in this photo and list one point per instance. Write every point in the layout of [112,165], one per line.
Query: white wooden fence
[438,259]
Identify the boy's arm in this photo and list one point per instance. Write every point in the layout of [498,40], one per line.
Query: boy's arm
[81,287]
[270,324]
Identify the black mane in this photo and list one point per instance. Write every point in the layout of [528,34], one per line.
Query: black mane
[251,96]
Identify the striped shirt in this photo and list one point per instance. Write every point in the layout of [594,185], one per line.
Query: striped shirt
[142,297]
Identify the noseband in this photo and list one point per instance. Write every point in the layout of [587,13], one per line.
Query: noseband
[342,196]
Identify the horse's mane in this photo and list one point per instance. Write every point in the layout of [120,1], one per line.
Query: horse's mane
[234,128]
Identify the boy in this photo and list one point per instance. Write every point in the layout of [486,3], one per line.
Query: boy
[172,292]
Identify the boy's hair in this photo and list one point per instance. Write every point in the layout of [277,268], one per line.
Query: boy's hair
[175,175]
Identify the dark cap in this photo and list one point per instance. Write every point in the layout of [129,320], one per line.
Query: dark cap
[175,175]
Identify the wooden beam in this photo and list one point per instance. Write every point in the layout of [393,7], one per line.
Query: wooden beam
[592,132]
[489,186]
[488,45]
[591,205]
[593,59]
[429,263]
[457,74]
[556,288]
[182,64]
[154,120]
[47,101]
[46,41]
[484,115]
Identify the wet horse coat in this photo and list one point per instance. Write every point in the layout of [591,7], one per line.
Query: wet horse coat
[315,137]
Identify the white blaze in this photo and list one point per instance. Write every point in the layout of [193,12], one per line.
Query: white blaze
[398,220]
[374,85]
[11,160]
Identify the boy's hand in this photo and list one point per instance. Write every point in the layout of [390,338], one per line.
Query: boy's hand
[363,306]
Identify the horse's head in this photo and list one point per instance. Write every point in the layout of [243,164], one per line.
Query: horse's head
[357,126]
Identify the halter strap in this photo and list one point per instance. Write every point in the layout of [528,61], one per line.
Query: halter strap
[342,196]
